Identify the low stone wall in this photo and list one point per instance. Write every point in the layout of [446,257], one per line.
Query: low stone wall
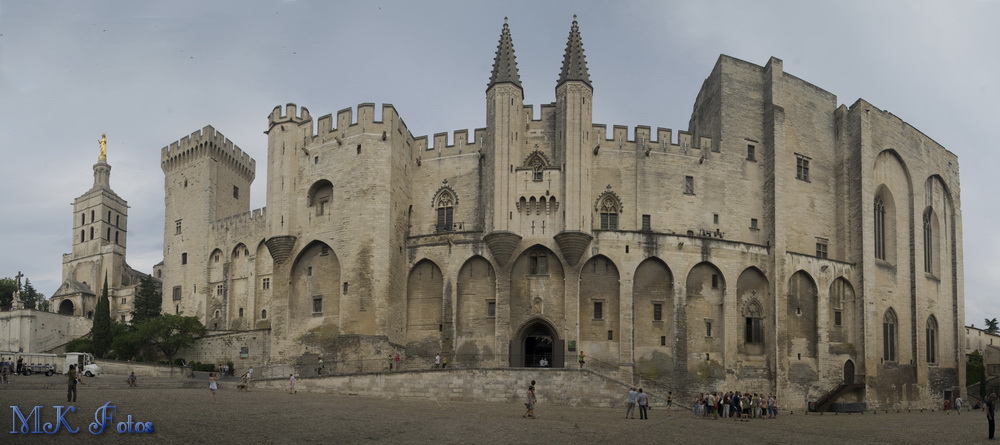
[114,367]
[38,331]
[221,347]
[567,387]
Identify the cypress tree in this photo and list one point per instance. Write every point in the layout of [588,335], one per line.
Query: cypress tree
[102,332]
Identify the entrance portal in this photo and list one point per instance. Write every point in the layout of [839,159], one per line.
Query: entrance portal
[537,341]
[66,307]
[849,372]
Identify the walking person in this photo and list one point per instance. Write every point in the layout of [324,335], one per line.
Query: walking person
[643,400]
[630,404]
[399,362]
[213,384]
[529,403]
[437,360]
[670,401]
[291,384]
[958,405]
[582,361]
[991,407]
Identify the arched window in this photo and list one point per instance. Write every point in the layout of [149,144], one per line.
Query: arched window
[91,233]
[445,211]
[241,312]
[83,219]
[753,331]
[263,313]
[932,339]
[879,228]
[83,235]
[609,206]
[928,242]
[889,323]
[320,196]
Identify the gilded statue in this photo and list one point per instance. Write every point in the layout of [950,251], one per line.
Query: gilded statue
[104,146]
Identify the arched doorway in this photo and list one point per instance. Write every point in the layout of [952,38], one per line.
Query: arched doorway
[535,341]
[849,372]
[66,307]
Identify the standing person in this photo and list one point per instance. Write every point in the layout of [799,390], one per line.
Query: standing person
[991,407]
[20,366]
[213,384]
[670,401]
[73,380]
[291,384]
[444,362]
[4,372]
[582,361]
[643,400]
[529,403]
[389,362]
[398,362]
[958,405]
[437,360]
[630,404]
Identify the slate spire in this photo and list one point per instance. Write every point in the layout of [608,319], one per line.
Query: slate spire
[505,63]
[574,65]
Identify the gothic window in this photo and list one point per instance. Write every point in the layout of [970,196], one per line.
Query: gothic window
[932,340]
[879,228]
[118,220]
[538,263]
[445,205]
[116,237]
[537,162]
[218,290]
[241,312]
[928,241]
[753,331]
[108,237]
[265,283]
[263,313]
[889,324]
[609,207]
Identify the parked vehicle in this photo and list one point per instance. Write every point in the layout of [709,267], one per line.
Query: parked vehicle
[28,363]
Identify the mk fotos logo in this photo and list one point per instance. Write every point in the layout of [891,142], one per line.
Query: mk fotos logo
[103,418]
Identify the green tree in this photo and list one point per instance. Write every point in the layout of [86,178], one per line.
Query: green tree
[82,344]
[975,371]
[148,300]
[127,342]
[170,333]
[30,296]
[992,326]
[102,333]
[7,289]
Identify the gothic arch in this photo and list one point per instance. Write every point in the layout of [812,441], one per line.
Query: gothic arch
[843,312]
[653,305]
[476,306]
[445,201]
[424,305]
[537,286]
[705,291]
[608,207]
[752,297]
[600,307]
[890,336]
[802,313]
[537,160]
[314,290]
[931,344]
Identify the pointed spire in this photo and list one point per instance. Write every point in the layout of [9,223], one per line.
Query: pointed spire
[505,64]
[574,65]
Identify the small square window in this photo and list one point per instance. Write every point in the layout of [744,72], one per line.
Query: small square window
[751,152]
[324,251]
[184,258]
[491,309]
[715,281]
[715,218]
[177,293]
[611,335]
[177,227]
[689,185]
[838,318]
[753,224]
[236,192]
[218,290]
[646,224]
[821,250]
[708,328]
[598,310]
[265,283]
[123,300]
[663,340]
[802,167]
[537,176]
[657,312]
[317,305]
[309,271]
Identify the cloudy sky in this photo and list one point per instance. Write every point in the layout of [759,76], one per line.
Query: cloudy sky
[148,74]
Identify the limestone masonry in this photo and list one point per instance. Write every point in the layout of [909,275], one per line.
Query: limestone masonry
[784,243]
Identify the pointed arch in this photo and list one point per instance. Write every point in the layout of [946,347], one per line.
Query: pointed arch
[609,206]
[600,296]
[424,301]
[931,341]
[476,308]
[445,200]
[537,286]
[706,330]
[842,312]
[653,304]
[320,197]
[314,288]
[802,314]
[752,294]
[890,329]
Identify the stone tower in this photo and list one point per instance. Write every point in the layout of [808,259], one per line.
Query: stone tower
[206,177]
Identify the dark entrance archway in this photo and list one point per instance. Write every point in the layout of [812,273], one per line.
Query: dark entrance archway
[66,307]
[849,372]
[537,340]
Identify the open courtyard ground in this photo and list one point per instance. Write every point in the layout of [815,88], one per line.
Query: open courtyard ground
[187,416]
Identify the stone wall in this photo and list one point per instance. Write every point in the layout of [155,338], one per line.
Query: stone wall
[225,347]
[38,331]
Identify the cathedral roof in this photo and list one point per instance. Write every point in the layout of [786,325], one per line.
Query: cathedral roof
[505,63]
[574,65]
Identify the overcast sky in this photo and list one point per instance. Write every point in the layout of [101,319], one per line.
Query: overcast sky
[148,74]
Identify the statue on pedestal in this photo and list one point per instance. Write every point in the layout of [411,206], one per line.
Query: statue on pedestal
[104,146]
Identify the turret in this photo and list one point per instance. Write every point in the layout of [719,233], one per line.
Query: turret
[574,120]
[287,135]
[504,122]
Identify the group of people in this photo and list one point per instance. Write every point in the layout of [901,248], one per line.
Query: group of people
[636,397]
[736,405]
[395,361]
[7,368]
[438,363]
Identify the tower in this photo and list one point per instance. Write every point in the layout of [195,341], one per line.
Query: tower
[206,178]
[574,119]
[504,101]
[100,225]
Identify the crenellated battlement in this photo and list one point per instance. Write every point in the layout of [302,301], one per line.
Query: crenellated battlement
[644,139]
[459,142]
[256,215]
[207,142]
[288,115]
